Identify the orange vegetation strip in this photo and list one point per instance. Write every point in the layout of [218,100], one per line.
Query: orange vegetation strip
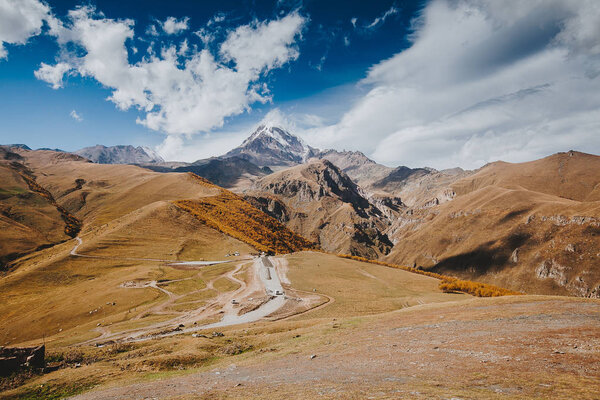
[232,215]
[448,283]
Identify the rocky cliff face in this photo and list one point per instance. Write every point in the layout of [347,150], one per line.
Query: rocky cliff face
[361,169]
[322,203]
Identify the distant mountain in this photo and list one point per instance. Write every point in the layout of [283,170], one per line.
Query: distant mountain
[233,172]
[420,187]
[120,154]
[273,146]
[25,147]
[19,145]
[359,167]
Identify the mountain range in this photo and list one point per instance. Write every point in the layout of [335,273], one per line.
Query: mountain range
[120,154]
[531,227]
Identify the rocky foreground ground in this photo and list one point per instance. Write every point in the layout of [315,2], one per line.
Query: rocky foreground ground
[513,347]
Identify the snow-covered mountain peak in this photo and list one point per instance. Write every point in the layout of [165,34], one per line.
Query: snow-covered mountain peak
[273,145]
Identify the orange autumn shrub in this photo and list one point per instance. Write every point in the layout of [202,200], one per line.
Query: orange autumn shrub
[232,215]
[475,288]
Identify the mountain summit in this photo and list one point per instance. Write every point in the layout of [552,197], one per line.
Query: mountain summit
[273,146]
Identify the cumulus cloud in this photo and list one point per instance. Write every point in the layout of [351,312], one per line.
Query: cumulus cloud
[53,74]
[181,90]
[76,116]
[483,80]
[174,26]
[20,20]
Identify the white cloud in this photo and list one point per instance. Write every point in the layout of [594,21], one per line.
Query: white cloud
[20,20]
[179,94]
[380,20]
[174,26]
[205,36]
[483,80]
[262,46]
[189,149]
[76,116]
[151,30]
[217,19]
[53,74]
[183,48]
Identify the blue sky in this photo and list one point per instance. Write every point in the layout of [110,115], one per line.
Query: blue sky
[332,53]
[440,83]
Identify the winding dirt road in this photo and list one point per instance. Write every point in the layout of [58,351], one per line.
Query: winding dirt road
[264,278]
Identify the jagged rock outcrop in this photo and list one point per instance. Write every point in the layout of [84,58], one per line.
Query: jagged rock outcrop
[323,204]
[361,169]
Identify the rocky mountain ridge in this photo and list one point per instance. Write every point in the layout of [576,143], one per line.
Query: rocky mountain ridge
[322,203]
[121,154]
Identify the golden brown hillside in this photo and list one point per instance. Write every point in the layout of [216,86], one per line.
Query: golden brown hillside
[53,293]
[532,227]
[98,193]
[571,175]
[131,230]
[115,308]
[47,197]
[29,216]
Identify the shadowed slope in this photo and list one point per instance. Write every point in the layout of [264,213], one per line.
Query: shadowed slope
[532,227]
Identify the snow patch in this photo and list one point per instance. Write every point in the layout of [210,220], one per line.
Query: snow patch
[152,154]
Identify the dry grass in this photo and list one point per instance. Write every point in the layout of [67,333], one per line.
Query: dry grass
[431,351]
[224,284]
[184,286]
[360,288]
[196,296]
[72,224]
[448,283]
